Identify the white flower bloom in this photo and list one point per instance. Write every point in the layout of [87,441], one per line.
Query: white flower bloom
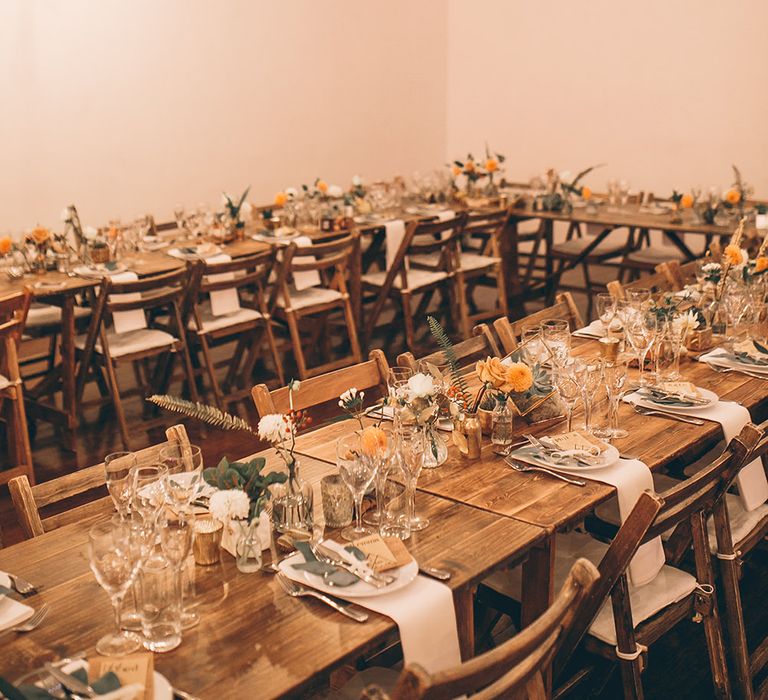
[274,428]
[357,180]
[231,503]
[351,396]
[711,267]
[291,192]
[334,191]
[90,233]
[421,385]
[683,324]
[294,385]
[565,176]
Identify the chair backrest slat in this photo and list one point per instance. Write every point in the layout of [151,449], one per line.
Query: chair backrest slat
[482,344]
[657,282]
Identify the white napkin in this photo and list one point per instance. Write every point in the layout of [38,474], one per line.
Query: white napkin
[445,215]
[595,328]
[223,301]
[751,480]
[722,358]
[394,232]
[126,321]
[630,477]
[11,611]
[304,279]
[424,613]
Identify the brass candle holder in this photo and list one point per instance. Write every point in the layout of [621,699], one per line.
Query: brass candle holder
[206,546]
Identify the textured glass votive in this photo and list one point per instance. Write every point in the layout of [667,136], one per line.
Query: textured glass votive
[206,547]
[337,501]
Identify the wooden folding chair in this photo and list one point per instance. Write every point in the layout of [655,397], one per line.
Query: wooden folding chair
[481,345]
[13,314]
[656,282]
[103,348]
[424,264]
[565,308]
[336,264]
[28,500]
[249,324]
[315,391]
[517,669]
[640,615]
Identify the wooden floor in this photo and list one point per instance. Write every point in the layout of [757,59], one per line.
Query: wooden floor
[678,665]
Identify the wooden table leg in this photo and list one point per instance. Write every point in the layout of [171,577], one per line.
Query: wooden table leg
[464,601]
[538,581]
[68,392]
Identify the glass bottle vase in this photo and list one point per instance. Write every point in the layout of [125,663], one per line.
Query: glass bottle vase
[248,546]
[292,503]
[437,449]
[503,422]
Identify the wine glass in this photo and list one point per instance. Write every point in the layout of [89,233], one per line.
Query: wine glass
[590,381]
[533,345]
[117,467]
[381,455]
[185,470]
[638,296]
[149,489]
[606,310]
[114,563]
[557,337]
[397,378]
[641,332]
[567,383]
[176,535]
[615,376]
[412,444]
[357,473]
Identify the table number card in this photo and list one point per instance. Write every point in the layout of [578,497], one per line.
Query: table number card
[134,668]
[576,440]
[383,554]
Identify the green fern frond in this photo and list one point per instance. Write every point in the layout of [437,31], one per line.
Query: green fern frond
[445,344]
[200,411]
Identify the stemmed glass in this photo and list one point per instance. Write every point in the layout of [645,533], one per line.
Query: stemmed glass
[148,490]
[606,311]
[557,337]
[114,563]
[142,541]
[381,456]
[176,534]
[533,345]
[117,467]
[638,296]
[641,331]
[397,378]
[413,444]
[185,470]
[615,376]
[590,379]
[357,473]
[567,383]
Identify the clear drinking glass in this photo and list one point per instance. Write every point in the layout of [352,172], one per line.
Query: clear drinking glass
[591,379]
[641,330]
[568,387]
[412,443]
[393,499]
[176,535]
[114,564]
[606,311]
[615,376]
[638,296]
[557,337]
[117,467]
[533,345]
[185,472]
[357,472]
[142,542]
[397,378]
[148,490]
[382,456]
[160,605]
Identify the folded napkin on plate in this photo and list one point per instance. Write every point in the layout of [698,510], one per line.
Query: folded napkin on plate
[335,575]
[722,358]
[304,279]
[126,321]
[107,688]
[394,232]
[594,329]
[12,612]
[424,613]
[223,301]
[630,477]
[751,480]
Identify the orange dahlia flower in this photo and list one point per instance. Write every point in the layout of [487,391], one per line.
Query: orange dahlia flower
[686,201]
[280,199]
[733,196]
[5,245]
[491,165]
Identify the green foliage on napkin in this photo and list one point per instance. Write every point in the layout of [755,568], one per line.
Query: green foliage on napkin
[336,576]
[106,684]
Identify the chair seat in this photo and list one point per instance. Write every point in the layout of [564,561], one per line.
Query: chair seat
[670,585]
[215,323]
[133,341]
[575,246]
[655,254]
[313,296]
[742,521]
[468,261]
[46,315]
[416,278]
[4,382]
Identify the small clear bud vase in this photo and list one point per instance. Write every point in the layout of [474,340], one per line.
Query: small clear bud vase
[248,546]
[503,419]
[437,449]
[292,503]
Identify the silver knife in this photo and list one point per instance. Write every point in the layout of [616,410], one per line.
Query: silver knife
[70,682]
[377,580]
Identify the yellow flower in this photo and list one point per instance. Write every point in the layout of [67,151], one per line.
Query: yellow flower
[586,193]
[455,170]
[322,185]
[733,254]
[733,196]
[280,199]
[686,201]
[373,440]
[112,233]
[492,371]
[469,166]
[5,245]
[519,376]
[40,235]
[491,165]
[761,263]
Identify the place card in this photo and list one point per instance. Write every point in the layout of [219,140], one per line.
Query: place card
[680,388]
[383,553]
[134,668]
[576,440]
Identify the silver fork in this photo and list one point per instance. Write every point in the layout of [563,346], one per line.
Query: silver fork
[520,467]
[723,370]
[31,623]
[22,586]
[294,590]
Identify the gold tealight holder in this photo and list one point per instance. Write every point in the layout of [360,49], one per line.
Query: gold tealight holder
[609,349]
[206,547]
[467,435]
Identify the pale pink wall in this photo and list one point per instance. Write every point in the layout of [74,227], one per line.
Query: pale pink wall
[129,106]
[669,93]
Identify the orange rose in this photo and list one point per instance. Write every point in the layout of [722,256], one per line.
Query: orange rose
[519,376]
[491,165]
[761,264]
[5,245]
[733,196]
[455,170]
[733,254]
[586,193]
[322,185]
[112,233]
[469,166]
[492,371]
[40,235]
[686,201]
[373,440]
[280,199]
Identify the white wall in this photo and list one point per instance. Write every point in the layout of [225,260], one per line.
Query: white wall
[132,106]
[668,93]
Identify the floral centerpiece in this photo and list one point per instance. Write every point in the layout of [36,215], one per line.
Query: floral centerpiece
[740,191]
[236,212]
[40,239]
[559,187]
[474,171]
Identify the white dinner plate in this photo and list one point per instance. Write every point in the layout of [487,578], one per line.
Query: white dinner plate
[532,456]
[404,575]
[163,689]
[204,251]
[710,396]
[726,360]
[99,270]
